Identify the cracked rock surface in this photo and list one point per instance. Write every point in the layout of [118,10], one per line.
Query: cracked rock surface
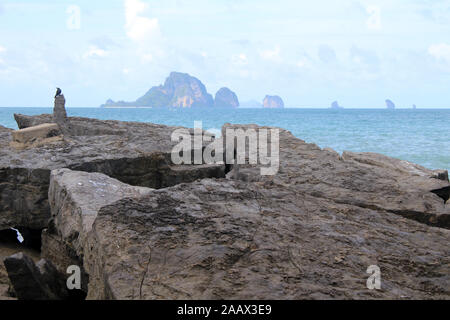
[224,239]
[135,153]
[366,180]
[144,229]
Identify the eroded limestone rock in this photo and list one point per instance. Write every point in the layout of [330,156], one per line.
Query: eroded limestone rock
[76,197]
[365,180]
[24,121]
[134,153]
[33,135]
[226,239]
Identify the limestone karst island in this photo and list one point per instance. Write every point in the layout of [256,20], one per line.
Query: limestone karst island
[180,90]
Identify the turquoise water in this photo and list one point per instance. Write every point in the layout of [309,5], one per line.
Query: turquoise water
[420,136]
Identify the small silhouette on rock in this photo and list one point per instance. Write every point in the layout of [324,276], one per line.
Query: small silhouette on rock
[58,92]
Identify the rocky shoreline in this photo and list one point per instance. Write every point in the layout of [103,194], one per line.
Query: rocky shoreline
[105,196]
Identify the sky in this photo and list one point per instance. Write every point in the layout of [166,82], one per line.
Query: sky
[310,53]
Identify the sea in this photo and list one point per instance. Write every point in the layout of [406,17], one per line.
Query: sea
[421,136]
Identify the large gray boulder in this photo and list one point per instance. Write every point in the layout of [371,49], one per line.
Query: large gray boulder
[308,232]
[361,179]
[24,121]
[134,153]
[76,197]
[228,239]
[78,126]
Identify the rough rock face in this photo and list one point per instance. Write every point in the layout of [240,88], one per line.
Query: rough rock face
[32,281]
[390,104]
[4,129]
[308,232]
[365,180]
[76,197]
[59,111]
[225,98]
[225,239]
[135,153]
[41,131]
[78,126]
[180,90]
[5,133]
[273,102]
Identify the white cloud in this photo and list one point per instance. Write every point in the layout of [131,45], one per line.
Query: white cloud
[273,54]
[95,52]
[440,51]
[2,50]
[302,63]
[239,59]
[146,57]
[138,27]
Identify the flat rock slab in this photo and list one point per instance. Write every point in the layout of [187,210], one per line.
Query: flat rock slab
[366,180]
[134,153]
[226,239]
[223,239]
[76,197]
[42,131]
[24,121]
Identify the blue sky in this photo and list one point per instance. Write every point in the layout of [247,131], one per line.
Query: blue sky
[308,52]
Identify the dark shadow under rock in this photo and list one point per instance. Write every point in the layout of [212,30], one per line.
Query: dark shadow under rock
[32,281]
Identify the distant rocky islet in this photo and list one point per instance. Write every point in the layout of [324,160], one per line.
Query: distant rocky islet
[335,105]
[180,90]
[390,104]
